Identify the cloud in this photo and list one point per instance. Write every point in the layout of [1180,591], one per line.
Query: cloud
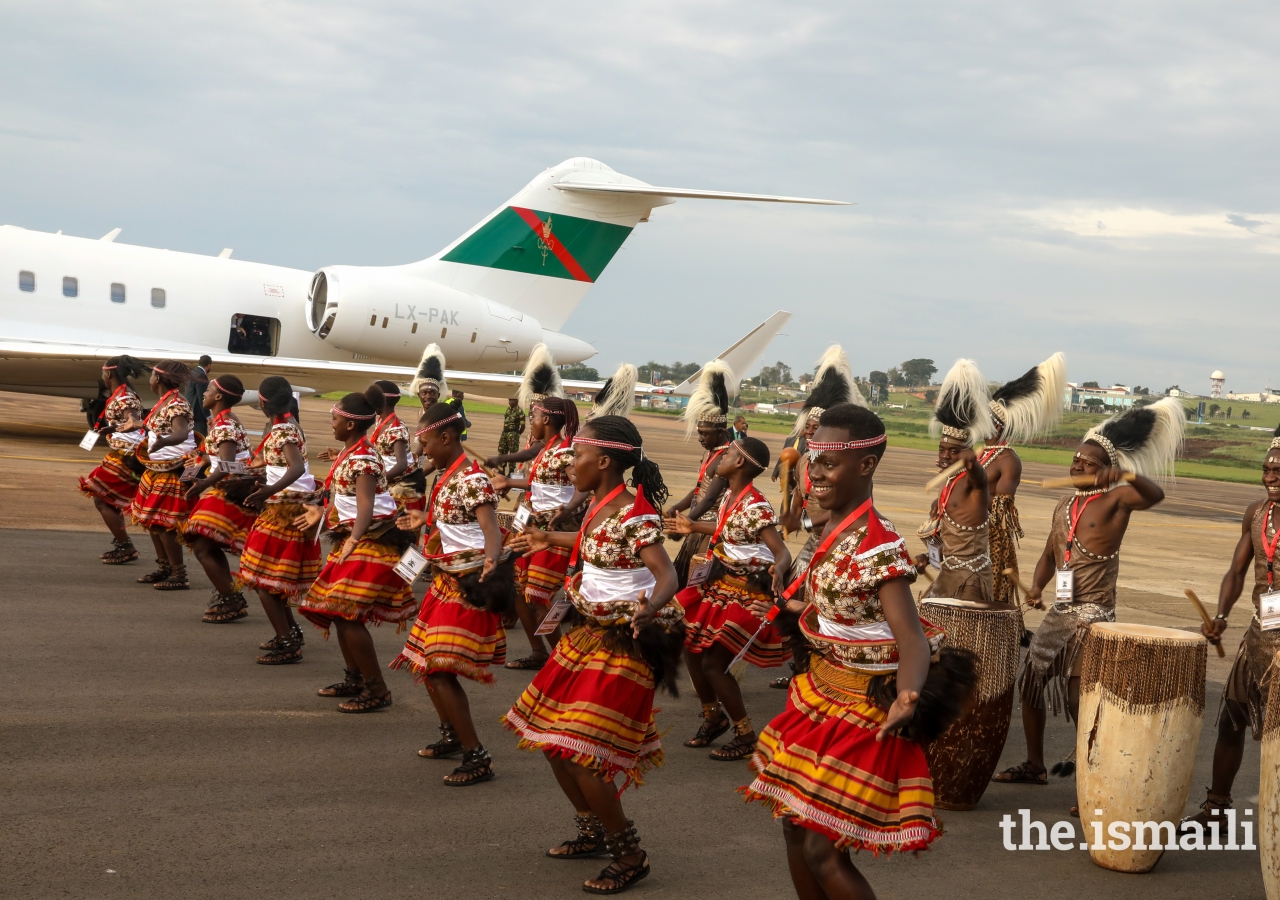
[983,142]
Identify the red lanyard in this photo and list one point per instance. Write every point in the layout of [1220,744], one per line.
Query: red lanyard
[159,407]
[1073,517]
[346,451]
[808,481]
[989,453]
[715,454]
[102,417]
[946,493]
[727,512]
[827,541]
[278,420]
[386,420]
[1269,548]
[586,520]
[547,447]
[440,482]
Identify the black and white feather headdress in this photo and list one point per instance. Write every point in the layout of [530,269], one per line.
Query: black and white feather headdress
[832,383]
[1032,404]
[709,404]
[1145,439]
[617,395]
[430,371]
[962,413]
[541,377]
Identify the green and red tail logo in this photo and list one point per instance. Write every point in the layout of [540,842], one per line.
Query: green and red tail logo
[538,243]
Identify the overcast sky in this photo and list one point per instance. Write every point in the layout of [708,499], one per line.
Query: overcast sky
[1097,178]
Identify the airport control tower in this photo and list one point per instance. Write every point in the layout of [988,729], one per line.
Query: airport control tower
[1217,381]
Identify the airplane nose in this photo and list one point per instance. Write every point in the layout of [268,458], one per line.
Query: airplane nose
[567,349]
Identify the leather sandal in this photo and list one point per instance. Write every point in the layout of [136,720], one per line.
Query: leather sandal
[364,703]
[589,842]
[162,572]
[714,723]
[477,766]
[447,746]
[351,686]
[618,874]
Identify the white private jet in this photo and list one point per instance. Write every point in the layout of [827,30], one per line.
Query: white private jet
[68,303]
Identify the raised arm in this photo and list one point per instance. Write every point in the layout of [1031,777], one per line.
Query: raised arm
[913,652]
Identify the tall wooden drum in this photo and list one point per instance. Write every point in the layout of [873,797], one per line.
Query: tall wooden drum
[964,757]
[1141,709]
[1269,794]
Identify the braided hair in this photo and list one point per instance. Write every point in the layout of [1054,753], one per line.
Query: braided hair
[171,373]
[645,473]
[277,396]
[126,367]
[562,413]
[439,411]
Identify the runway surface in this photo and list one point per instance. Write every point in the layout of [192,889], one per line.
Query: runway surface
[147,756]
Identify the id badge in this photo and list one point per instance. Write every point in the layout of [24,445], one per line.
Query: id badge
[1269,611]
[521,518]
[233,467]
[90,438]
[1064,588]
[699,571]
[411,565]
[558,611]
[190,472]
[806,523]
[935,554]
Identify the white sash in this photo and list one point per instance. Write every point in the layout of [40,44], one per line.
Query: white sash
[454,538]
[745,552]
[609,585]
[546,497]
[876,631]
[383,506]
[174,451]
[306,483]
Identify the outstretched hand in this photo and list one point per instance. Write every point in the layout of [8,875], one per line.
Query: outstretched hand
[487,569]
[644,615]
[529,542]
[411,520]
[310,516]
[677,524]
[900,713]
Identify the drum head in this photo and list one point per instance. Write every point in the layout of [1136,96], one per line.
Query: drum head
[955,604]
[1146,632]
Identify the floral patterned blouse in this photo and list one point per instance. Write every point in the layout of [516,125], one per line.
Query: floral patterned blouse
[226,427]
[161,420]
[388,432]
[120,407]
[362,460]
[456,501]
[751,515]
[616,542]
[282,434]
[552,467]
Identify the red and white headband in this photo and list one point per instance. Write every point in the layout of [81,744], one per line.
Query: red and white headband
[434,425]
[610,445]
[817,447]
[751,459]
[229,393]
[358,418]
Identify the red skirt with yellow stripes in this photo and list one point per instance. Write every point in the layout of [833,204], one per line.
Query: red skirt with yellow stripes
[593,707]
[278,557]
[718,613]
[818,763]
[217,518]
[161,501]
[451,635]
[362,588]
[542,574]
[112,482]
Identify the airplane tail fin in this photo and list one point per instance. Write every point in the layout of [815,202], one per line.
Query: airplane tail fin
[745,353]
[540,252]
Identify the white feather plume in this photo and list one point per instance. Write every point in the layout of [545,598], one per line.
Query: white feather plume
[432,351]
[621,393]
[1037,413]
[834,359]
[965,390]
[703,400]
[1155,456]
[540,358]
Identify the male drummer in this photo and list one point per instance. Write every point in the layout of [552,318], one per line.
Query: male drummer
[958,526]
[1246,691]
[1082,560]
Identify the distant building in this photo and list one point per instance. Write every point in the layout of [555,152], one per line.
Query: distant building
[1116,397]
[1217,381]
[1266,396]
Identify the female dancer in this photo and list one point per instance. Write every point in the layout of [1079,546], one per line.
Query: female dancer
[113,484]
[832,765]
[750,563]
[279,559]
[550,493]
[459,627]
[391,439]
[160,505]
[590,709]
[358,583]
[217,522]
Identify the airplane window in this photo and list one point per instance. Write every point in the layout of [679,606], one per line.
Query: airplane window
[254,335]
[157,298]
[27,281]
[443,332]
[385,320]
[70,287]
[473,337]
[117,292]
[414,329]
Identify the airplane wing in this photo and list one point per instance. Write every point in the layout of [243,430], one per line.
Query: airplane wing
[743,355]
[71,369]
[595,187]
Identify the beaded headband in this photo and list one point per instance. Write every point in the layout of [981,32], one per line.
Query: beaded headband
[107,368]
[158,369]
[1105,444]
[434,425]
[749,458]
[434,382]
[1275,443]
[218,385]
[957,434]
[998,412]
[395,393]
[819,447]
[815,412]
[358,418]
[716,419]
[608,445]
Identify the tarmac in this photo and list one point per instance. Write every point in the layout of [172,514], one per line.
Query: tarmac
[146,755]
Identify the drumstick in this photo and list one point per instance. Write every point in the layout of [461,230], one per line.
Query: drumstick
[1204,614]
[1078,481]
[940,479]
[1013,573]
